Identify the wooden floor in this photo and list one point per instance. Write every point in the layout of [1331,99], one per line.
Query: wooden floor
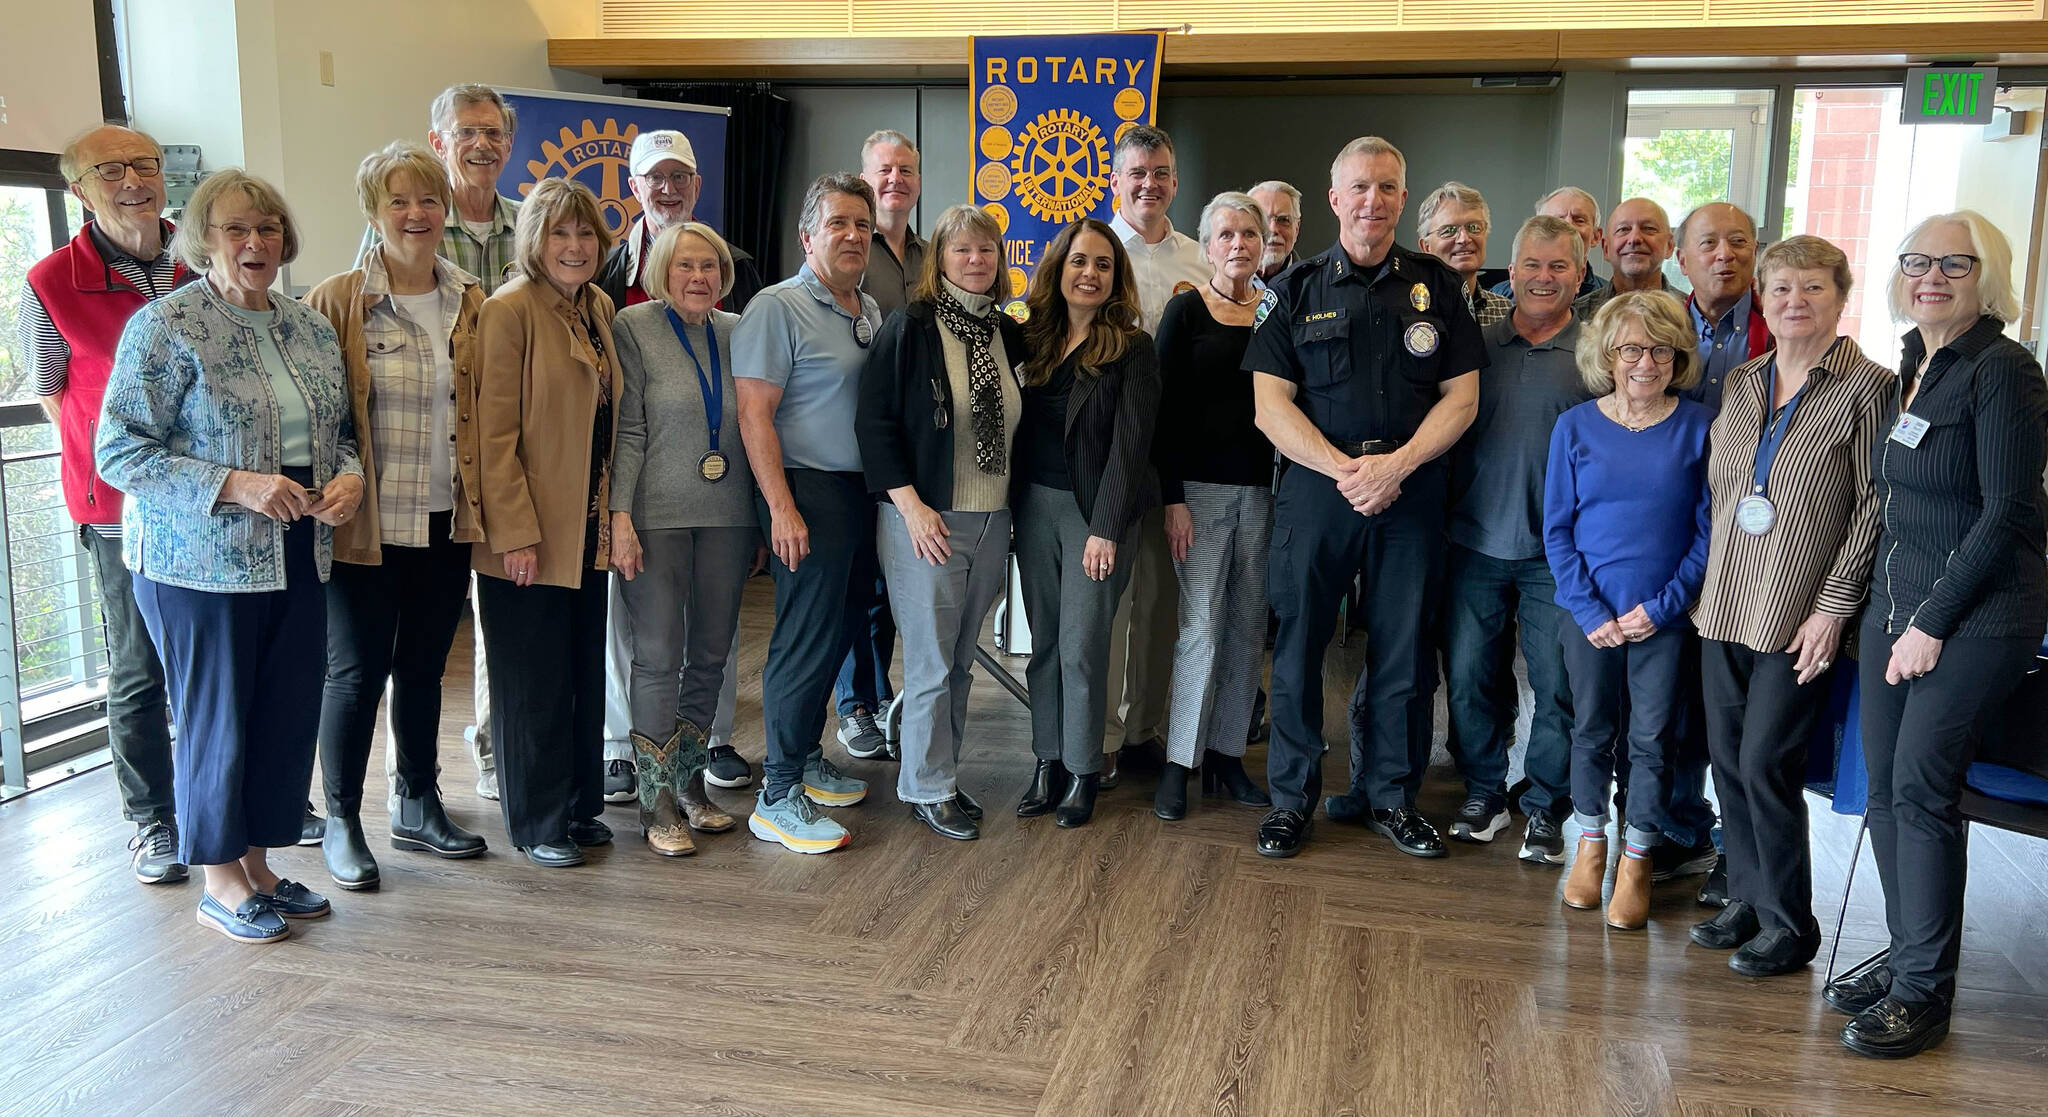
[1129,967]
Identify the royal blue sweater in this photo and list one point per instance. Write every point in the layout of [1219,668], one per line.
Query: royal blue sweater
[1626,514]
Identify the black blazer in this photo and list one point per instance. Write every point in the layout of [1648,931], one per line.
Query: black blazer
[902,388]
[1110,420]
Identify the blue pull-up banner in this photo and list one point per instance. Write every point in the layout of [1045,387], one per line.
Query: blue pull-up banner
[1047,111]
[588,138]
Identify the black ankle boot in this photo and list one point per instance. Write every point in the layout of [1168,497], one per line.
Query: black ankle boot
[1077,806]
[348,853]
[420,823]
[1170,802]
[1225,775]
[1047,778]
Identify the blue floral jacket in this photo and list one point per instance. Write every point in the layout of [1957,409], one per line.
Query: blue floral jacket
[187,402]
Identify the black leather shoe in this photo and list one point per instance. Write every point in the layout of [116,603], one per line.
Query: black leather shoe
[1411,833]
[590,832]
[972,808]
[1669,860]
[1775,952]
[1896,1029]
[1077,806]
[1148,755]
[1225,775]
[347,854]
[1261,729]
[1731,927]
[1110,773]
[554,855]
[1282,832]
[1170,800]
[1048,779]
[1350,808]
[946,820]
[421,824]
[1853,993]
[1714,893]
[313,828]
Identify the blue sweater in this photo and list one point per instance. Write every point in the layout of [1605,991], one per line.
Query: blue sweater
[1626,514]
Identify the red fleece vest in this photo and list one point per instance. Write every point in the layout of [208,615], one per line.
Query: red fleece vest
[90,304]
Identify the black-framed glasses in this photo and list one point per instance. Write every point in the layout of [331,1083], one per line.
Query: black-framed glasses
[114,170]
[1446,232]
[1630,354]
[1955,265]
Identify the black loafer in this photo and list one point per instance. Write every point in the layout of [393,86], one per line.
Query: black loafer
[590,832]
[1410,832]
[554,855]
[1775,952]
[1896,1029]
[1734,925]
[1350,807]
[1855,992]
[972,808]
[1282,832]
[946,820]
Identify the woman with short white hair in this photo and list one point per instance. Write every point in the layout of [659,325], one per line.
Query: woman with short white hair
[1958,602]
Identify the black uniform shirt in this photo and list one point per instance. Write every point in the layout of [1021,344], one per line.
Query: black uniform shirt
[1368,348]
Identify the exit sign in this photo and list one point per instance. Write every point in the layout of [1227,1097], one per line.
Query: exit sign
[1949,95]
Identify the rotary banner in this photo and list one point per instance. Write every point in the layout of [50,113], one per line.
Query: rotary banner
[1048,110]
[588,139]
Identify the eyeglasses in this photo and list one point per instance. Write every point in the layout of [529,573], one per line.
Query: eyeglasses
[494,135]
[675,181]
[236,231]
[1630,354]
[114,170]
[940,415]
[1955,265]
[1446,232]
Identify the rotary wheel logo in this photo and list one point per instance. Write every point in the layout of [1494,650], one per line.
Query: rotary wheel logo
[1060,169]
[596,157]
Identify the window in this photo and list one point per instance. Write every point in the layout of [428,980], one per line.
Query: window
[1682,148]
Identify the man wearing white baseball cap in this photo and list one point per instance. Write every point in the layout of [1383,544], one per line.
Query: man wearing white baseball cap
[664,178]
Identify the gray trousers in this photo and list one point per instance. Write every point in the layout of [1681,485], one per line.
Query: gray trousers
[1070,616]
[1222,621]
[618,679]
[685,610]
[939,611]
[138,717]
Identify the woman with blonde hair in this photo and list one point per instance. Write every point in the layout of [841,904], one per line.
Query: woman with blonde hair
[407,324]
[547,391]
[1083,478]
[1625,533]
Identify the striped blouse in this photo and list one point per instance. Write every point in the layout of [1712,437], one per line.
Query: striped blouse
[1817,557]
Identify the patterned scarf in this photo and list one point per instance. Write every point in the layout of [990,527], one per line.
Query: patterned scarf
[984,379]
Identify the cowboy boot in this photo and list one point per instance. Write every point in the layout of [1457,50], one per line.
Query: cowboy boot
[659,817]
[1589,871]
[704,816]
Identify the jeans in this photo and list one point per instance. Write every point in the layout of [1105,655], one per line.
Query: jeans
[1645,675]
[138,715]
[864,676]
[1491,602]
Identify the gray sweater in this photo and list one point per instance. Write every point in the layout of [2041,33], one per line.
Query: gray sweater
[662,434]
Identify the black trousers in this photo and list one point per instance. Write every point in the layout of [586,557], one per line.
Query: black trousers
[1918,738]
[545,646]
[138,714]
[1759,721]
[393,621]
[1319,542]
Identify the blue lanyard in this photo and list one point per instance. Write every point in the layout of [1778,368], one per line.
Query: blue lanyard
[1774,429]
[714,388]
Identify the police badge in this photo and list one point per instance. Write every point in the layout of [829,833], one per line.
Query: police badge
[1419,296]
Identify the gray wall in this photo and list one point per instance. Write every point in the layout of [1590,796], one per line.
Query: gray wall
[1507,144]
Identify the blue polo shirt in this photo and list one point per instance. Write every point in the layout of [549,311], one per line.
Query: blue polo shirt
[795,336]
[1497,466]
[1723,346]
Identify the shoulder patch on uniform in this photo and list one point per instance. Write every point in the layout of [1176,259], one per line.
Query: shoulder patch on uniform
[1267,302]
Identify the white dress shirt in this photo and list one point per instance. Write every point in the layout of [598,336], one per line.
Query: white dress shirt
[1161,267]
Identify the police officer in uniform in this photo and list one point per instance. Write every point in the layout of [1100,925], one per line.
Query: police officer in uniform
[1365,368]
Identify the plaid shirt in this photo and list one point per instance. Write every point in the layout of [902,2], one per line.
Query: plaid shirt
[402,401]
[490,259]
[1488,307]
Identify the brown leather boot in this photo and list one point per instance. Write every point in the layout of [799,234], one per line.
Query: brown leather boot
[687,778]
[660,818]
[1629,908]
[1589,871]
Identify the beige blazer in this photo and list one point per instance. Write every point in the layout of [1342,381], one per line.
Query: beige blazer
[536,400]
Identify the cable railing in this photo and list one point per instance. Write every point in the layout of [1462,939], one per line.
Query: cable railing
[53,653]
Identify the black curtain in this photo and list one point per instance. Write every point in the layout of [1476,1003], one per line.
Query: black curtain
[756,150]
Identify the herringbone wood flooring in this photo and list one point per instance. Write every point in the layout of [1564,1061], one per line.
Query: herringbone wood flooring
[1130,967]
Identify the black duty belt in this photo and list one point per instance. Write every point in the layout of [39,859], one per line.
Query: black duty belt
[1370,447]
